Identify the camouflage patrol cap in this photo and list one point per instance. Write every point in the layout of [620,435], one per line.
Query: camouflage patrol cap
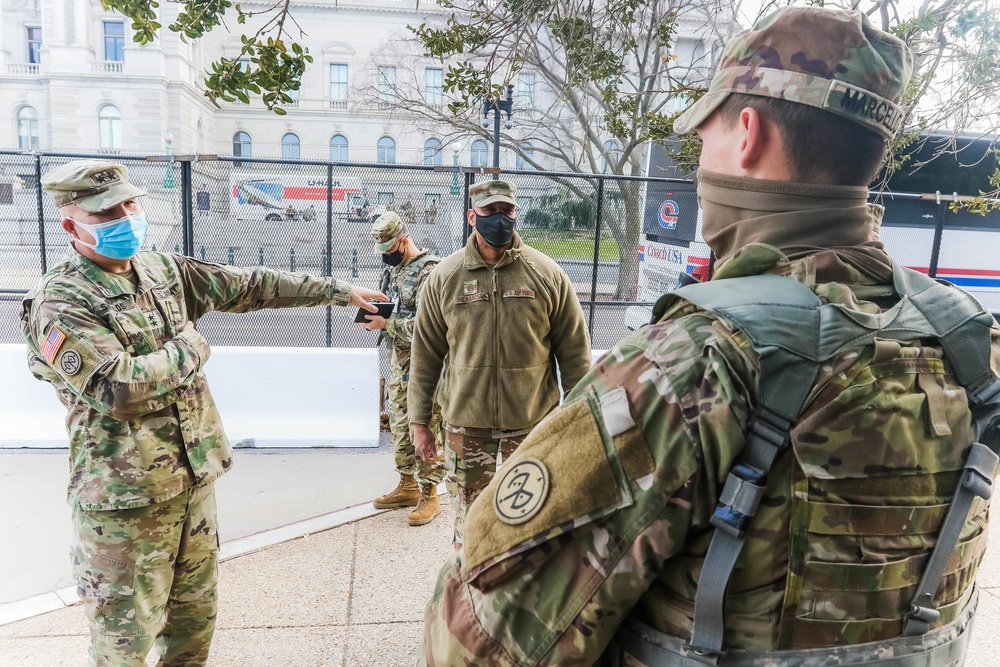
[386,229]
[93,185]
[832,59]
[489,192]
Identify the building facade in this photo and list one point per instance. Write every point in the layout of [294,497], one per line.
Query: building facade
[73,79]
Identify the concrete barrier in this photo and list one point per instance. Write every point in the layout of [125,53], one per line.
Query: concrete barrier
[274,397]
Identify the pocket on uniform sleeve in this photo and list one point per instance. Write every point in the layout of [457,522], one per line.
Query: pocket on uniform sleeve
[107,588]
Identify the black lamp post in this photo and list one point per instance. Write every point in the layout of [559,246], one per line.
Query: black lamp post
[498,106]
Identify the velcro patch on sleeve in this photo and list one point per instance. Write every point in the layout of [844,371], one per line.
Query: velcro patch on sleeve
[53,342]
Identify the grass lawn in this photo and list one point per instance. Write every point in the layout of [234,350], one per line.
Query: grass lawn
[570,244]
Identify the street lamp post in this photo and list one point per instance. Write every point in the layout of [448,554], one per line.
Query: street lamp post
[456,189]
[498,106]
[168,179]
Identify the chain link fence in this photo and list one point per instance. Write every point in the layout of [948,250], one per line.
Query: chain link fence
[315,217]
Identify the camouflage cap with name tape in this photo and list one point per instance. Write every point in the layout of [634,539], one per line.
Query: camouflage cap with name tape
[831,59]
[489,192]
[386,229]
[93,185]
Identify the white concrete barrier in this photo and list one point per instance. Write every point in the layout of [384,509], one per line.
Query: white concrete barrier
[277,397]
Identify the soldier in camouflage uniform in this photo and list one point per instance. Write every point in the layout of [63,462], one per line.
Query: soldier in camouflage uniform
[495,318]
[593,544]
[410,266]
[112,330]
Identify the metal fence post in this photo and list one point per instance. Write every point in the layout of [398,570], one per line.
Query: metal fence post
[938,233]
[187,208]
[41,213]
[328,265]
[597,255]
[466,231]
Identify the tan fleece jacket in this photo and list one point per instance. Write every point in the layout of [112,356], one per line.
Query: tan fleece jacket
[498,333]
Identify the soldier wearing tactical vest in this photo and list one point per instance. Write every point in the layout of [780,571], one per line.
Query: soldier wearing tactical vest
[791,465]
[409,267]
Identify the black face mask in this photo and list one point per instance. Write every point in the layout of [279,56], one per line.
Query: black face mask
[496,229]
[393,258]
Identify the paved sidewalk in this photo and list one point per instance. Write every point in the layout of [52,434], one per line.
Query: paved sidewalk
[350,596]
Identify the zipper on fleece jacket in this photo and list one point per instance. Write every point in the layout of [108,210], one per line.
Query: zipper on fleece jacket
[496,349]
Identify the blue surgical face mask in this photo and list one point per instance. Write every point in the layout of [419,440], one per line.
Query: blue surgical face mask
[117,239]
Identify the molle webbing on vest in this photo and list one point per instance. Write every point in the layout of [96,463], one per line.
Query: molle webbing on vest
[406,305]
[790,358]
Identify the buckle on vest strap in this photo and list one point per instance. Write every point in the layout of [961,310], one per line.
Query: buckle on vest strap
[920,618]
[980,468]
[739,500]
[985,390]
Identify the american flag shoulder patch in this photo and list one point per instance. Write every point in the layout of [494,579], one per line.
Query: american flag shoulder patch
[52,344]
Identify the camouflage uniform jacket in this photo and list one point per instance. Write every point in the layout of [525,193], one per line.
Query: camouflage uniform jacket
[502,328]
[406,280]
[141,420]
[624,526]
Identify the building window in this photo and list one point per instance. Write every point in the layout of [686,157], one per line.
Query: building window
[386,199]
[338,148]
[114,41]
[27,129]
[338,86]
[34,45]
[523,203]
[242,147]
[612,150]
[527,153]
[110,120]
[290,147]
[387,84]
[386,150]
[526,90]
[432,152]
[435,86]
[480,154]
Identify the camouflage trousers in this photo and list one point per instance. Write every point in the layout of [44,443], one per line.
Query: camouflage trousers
[407,461]
[148,575]
[472,457]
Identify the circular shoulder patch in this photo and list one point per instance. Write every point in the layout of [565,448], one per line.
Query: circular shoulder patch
[522,491]
[70,362]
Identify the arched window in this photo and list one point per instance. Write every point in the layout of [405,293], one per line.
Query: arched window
[338,148]
[386,150]
[613,150]
[27,129]
[291,149]
[242,147]
[480,154]
[432,152]
[527,153]
[110,120]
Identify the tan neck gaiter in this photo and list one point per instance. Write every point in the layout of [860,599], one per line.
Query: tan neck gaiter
[793,217]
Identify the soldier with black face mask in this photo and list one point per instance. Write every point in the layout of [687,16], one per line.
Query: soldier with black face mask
[409,268]
[502,314]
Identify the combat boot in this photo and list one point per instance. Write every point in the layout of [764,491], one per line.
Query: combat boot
[427,508]
[406,494]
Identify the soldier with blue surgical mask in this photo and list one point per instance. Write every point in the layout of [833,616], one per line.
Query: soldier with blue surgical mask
[112,329]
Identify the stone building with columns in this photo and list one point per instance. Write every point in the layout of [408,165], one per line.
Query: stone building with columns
[72,79]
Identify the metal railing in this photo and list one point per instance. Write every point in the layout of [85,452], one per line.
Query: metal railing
[314,216]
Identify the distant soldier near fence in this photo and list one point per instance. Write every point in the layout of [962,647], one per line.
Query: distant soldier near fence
[112,329]
[409,268]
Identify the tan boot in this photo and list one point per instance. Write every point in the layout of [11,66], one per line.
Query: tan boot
[427,508]
[406,494]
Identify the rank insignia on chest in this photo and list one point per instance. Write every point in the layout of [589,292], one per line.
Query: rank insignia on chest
[53,342]
[470,287]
